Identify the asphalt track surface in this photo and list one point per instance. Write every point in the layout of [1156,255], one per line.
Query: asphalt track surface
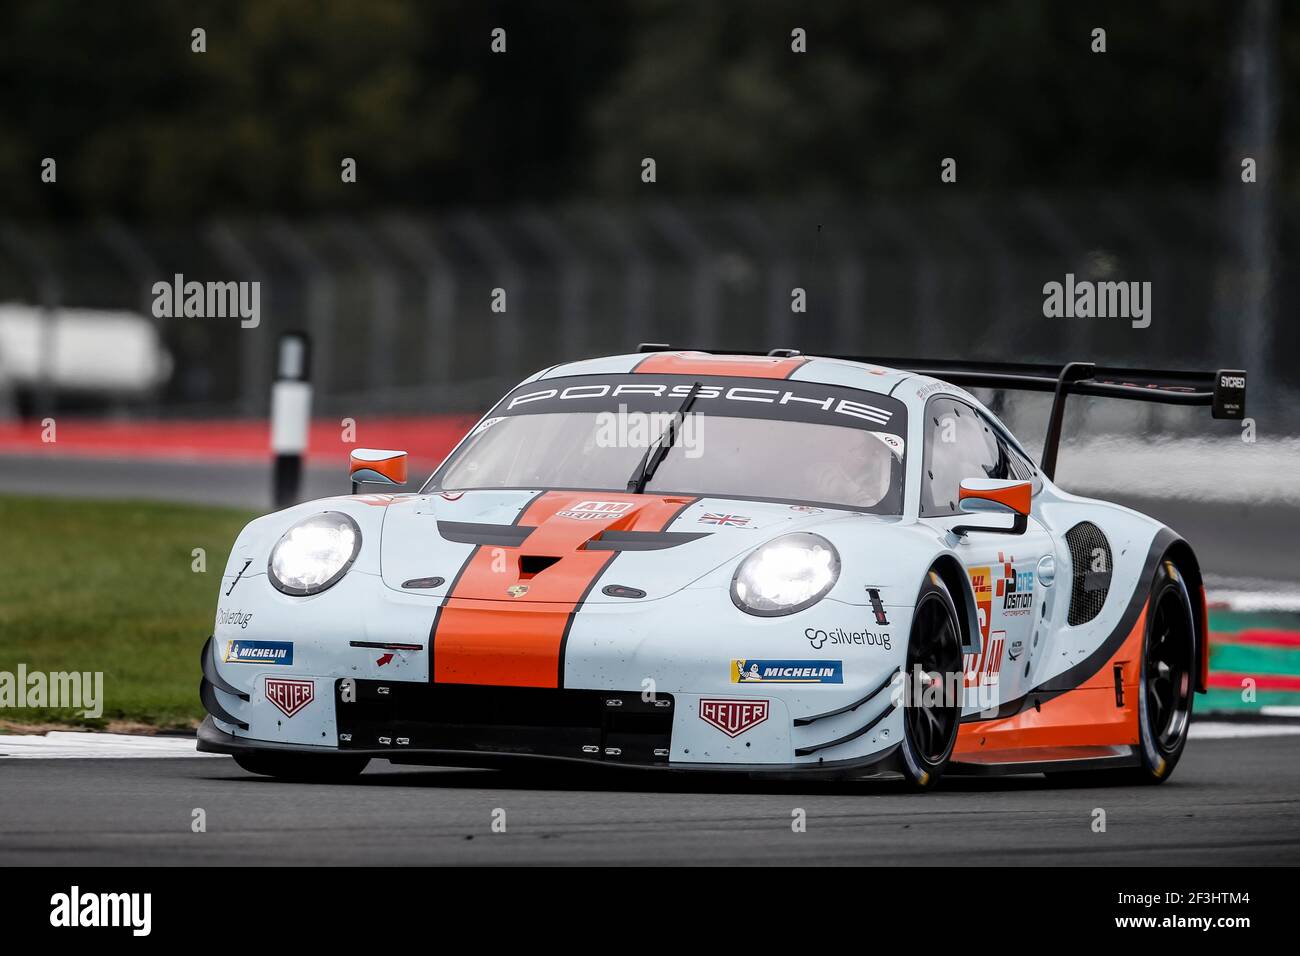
[1230,802]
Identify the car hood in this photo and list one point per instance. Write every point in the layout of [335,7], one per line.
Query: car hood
[541,544]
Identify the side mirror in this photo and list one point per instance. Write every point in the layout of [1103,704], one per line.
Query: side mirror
[982,495]
[377,465]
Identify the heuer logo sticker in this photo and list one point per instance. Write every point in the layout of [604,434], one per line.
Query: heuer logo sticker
[289,695]
[594,510]
[787,672]
[259,652]
[982,584]
[733,717]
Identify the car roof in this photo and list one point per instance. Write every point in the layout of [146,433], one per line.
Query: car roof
[799,368]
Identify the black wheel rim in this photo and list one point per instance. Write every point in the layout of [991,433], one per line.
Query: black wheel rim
[1167,670]
[933,658]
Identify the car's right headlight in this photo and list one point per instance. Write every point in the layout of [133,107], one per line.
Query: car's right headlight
[314,554]
[785,575]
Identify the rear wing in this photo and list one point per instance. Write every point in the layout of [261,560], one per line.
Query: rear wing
[1223,390]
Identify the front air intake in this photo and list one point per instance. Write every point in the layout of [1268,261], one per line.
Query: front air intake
[1091,562]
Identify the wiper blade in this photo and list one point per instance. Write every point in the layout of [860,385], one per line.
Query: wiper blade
[658,450]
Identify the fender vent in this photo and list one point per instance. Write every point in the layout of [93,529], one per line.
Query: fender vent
[1091,563]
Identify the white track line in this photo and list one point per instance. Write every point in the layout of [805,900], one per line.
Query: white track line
[60,744]
[1221,730]
[1252,594]
[1254,601]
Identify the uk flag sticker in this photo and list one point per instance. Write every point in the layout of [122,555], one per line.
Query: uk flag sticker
[738,521]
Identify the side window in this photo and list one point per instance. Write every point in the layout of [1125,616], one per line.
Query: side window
[1018,466]
[959,444]
[1024,469]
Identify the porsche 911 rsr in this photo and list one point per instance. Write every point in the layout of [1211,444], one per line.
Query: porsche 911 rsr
[763,563]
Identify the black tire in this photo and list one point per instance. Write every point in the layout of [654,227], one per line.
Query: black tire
[1168,677]
[303,767]
[1167,687]
[930,725]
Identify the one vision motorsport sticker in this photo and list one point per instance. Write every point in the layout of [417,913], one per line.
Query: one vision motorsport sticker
[489,631]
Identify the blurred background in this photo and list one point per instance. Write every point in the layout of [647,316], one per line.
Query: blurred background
[522,170]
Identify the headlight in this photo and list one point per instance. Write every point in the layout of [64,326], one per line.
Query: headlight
[314,554]
[786,575]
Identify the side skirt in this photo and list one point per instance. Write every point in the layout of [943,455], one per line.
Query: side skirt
[1045,760]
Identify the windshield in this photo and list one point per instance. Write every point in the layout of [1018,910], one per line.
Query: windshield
[743,438]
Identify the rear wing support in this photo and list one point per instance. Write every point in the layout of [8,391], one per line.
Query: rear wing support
[1223,390]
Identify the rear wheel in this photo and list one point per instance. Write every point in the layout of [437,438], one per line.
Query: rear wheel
[932,702]
[1168,681]
[304,767]
[1167,688]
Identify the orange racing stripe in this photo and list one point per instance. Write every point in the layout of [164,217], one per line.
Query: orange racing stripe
[504,623]
[705,363]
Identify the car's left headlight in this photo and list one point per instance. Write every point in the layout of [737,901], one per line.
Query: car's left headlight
[313,554]
[786,575]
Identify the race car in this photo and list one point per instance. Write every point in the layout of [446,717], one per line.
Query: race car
[686,560]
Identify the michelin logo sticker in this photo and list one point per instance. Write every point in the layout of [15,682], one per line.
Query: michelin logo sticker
[259,652]
[787,672]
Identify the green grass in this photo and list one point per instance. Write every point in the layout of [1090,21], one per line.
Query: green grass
[109,586]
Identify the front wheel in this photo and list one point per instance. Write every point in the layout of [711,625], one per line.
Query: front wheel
[306,768]
[932,700]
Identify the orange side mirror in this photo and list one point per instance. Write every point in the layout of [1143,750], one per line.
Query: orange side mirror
[1011,495]
[995,494]
[377,465]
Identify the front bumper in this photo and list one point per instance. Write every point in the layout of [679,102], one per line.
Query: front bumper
[415,721]
[212,739]
[462,725]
